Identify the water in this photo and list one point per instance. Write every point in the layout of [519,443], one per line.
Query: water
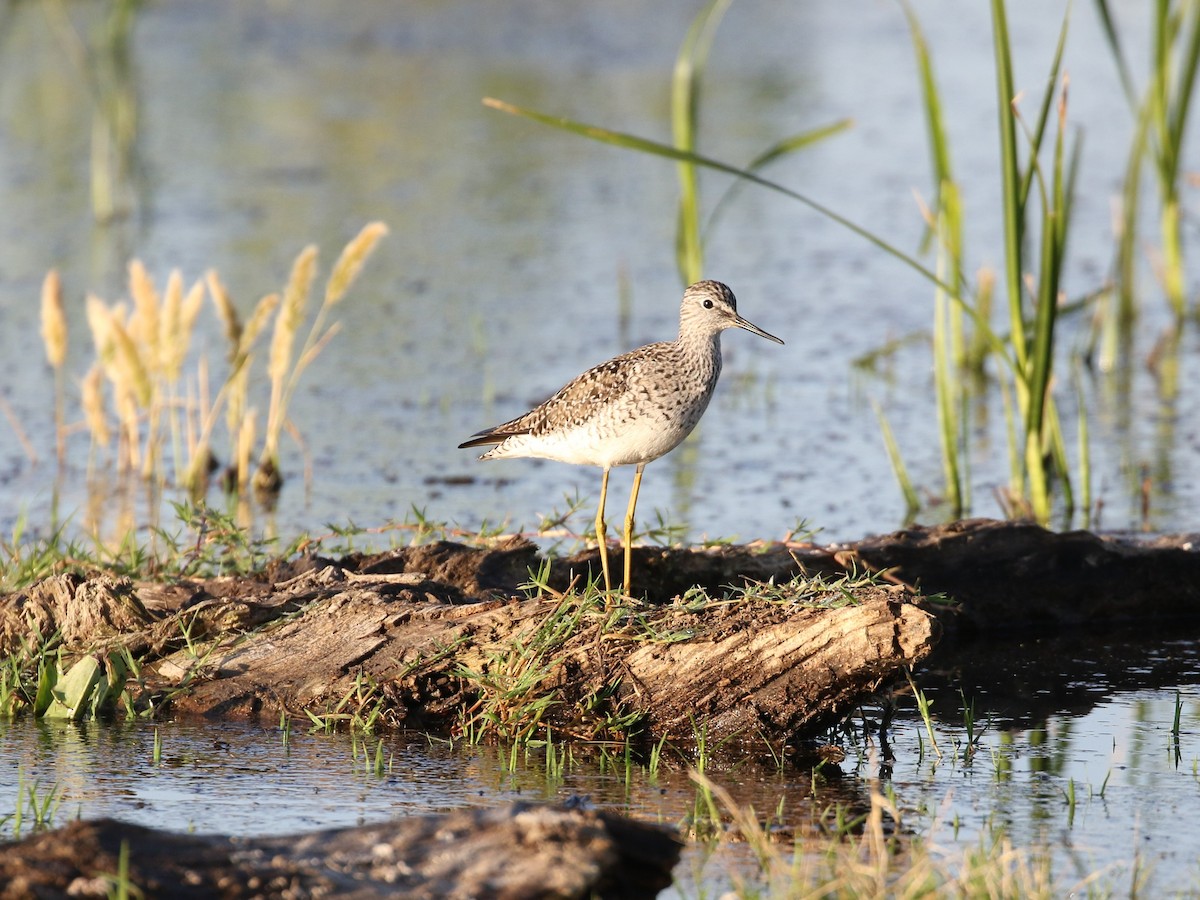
[261,129]
[1090,771]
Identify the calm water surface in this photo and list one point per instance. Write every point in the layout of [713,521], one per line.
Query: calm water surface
[264,128]
[1040,739]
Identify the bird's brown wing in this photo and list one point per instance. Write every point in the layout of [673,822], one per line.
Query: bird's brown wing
[573,404]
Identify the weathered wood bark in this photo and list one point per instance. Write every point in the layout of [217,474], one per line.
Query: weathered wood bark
[518,852]
[762,668]
[797,674]
[401,631]
[81,610]
[998,576]
[414,651]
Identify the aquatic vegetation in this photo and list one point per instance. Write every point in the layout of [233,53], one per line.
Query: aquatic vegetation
[1039,167]
[120,885]
[510,685]
[164,414]
[1161,116]
[876,854]
[35,805]
[38,680]
[362,709]
[1028,353]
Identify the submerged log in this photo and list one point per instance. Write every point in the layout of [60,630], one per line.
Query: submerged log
[439,636]
[775,667]
[517,851]
[1013,576]
[376,639]
[994,576]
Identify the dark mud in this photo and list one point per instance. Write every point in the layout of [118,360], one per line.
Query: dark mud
[510,853]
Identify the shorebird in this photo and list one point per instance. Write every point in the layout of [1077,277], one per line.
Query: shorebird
[630,410]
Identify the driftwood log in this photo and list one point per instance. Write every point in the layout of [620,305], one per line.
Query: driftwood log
[418,653]
[519,851]
[431,636]
[422,634]
[998,577]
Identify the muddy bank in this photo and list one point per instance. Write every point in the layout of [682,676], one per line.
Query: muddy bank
[783,643]
[402,648]
[518,851]
[995,577]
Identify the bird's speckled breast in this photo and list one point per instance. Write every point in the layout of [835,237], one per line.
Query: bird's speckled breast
[632,409]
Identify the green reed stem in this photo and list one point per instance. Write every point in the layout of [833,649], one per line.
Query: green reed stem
[643,145]
[1084,468]
[912,502]
[1012,206]
[1161,124]
[685,114]
[946,222]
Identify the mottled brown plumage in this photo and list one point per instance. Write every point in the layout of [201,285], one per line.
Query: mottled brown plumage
[632,409]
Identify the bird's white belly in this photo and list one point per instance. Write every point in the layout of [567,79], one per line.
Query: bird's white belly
[607,442]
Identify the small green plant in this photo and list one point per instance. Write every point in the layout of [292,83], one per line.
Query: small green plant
[655,762]
[120,884]
[26,558]
[362,709]
[970,724]
[377,763]
[511,699]
[607,715]
[924,706]
[38,680]
[35,806]
[90,688]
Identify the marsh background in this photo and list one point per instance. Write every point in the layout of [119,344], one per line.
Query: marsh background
[519,255]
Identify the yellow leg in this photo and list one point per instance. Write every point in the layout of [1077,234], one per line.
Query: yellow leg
[627,540]
[601,538]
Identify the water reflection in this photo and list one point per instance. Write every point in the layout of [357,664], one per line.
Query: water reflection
[1053,760]
[519,256]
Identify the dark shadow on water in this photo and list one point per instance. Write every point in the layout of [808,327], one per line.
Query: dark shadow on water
[1020,684]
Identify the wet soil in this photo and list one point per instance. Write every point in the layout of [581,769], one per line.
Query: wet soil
[436,636]
[519,851]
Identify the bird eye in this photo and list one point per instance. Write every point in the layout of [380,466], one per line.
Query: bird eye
[708,304]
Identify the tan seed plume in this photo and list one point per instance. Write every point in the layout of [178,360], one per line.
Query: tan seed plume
[350,263]
[54,320]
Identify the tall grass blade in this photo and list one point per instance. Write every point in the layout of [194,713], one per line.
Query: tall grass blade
[655,148]
[685,114]
[1114,45]
[1011,184]
[946,227]
[779,150]
[912,502]
[1084,451]
[1039,130]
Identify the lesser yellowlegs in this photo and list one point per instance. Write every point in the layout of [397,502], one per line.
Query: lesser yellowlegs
[632,409]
